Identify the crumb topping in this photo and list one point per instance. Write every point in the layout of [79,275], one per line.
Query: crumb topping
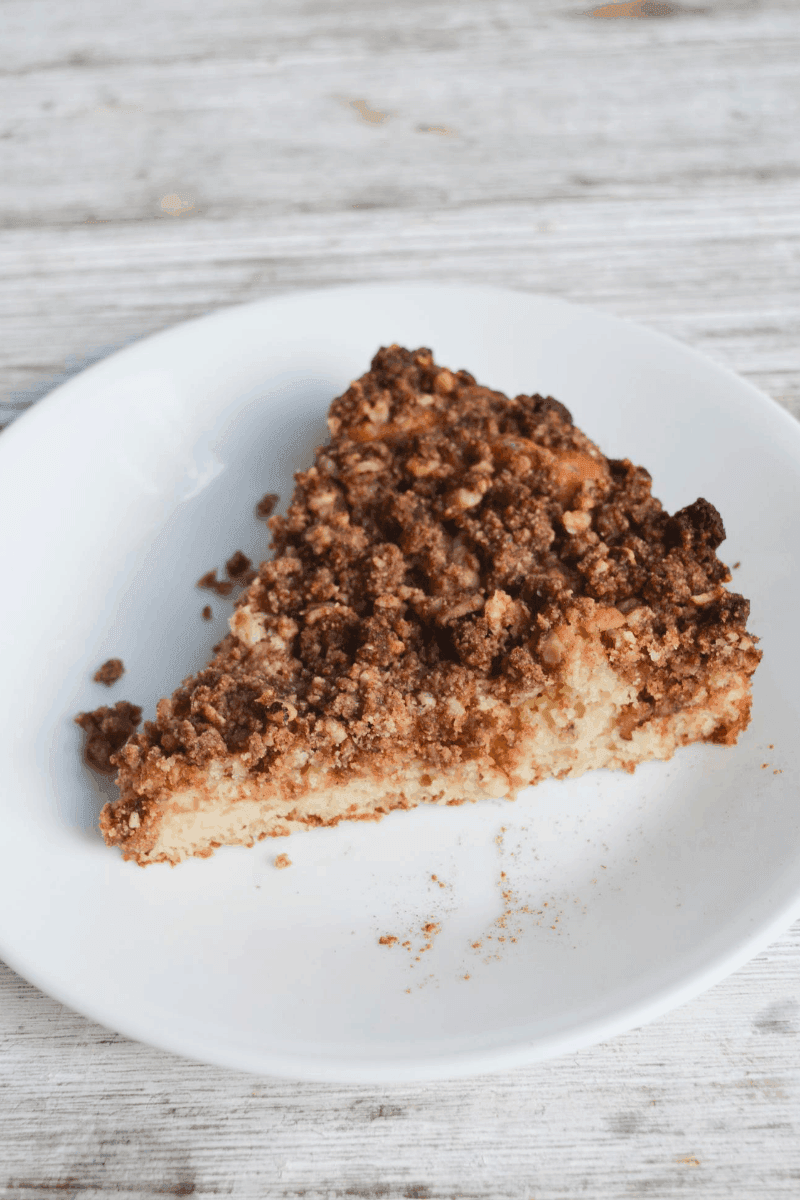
[111,670]
[237,565]
[107,729]
[428,557]
[239,570]
[209,581]
[266,506]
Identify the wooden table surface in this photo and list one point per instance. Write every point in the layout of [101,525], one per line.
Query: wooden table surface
[161,160]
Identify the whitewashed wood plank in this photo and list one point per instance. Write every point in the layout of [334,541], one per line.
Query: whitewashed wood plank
[698,272]
[703,1103]
[247,115]
[547,104]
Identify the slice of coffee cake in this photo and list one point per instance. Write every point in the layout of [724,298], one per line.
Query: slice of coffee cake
[466,597]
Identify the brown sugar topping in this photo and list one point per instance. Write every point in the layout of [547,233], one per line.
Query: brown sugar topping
[237,565]
[266,506]
[111,670]
[107,729]
[209,581]
[436,542]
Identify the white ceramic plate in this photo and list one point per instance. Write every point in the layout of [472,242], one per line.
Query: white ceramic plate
[624,896]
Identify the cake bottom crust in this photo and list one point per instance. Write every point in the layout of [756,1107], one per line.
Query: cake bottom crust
[577,724]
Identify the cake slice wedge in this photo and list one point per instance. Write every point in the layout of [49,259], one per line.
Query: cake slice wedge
[465,597]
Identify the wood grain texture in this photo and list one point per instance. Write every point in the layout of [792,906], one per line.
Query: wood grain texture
[704,1103]
[649,167]
[162,160]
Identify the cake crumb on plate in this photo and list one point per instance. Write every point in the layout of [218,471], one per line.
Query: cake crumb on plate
[107,730]
[266,506]
[209,581]
[111,670]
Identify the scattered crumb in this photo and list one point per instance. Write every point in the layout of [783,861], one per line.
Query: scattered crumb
[429,931]
[207,613]
[510,925]
[764,766]
[736,566]
[408,991]
[266,506]
[107,730]
[282,861]
[770,747]
[209,581]
[111,670]
[691,1160]
[372,116]
[237,564]
[777,772]
[465,976]
[416,945]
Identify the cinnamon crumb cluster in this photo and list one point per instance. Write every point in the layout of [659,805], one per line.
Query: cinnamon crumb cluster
[107,730]
[438,538]
[239,570]
[111,670]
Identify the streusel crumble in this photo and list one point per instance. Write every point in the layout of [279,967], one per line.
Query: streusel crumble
[466,596]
